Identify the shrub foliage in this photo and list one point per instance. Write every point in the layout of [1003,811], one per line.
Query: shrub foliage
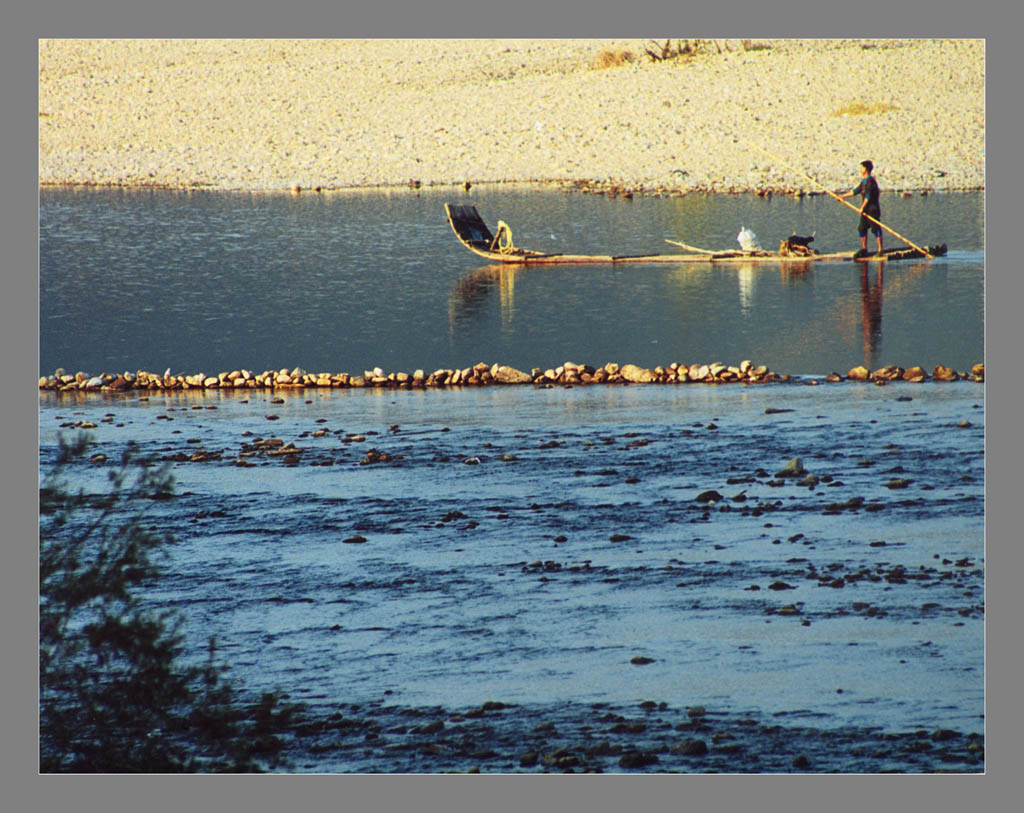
[114,694]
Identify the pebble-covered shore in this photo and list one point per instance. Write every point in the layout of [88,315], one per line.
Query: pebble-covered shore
[590,115]
[482,374]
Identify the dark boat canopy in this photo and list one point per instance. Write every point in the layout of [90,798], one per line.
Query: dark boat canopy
[469,226]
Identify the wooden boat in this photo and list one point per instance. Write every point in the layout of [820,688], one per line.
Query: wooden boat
[474,234]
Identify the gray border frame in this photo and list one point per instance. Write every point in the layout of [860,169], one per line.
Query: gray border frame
[25,790]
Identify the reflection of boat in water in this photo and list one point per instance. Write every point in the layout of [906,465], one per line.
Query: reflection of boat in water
[474,234]
[746,275]
[472,291]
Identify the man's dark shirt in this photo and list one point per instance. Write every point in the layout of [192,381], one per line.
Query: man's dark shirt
[868,188]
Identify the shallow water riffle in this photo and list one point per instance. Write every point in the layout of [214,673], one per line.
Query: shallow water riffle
[571,553]
[647,736]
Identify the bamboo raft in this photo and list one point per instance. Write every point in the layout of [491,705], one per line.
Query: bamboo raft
[473,233]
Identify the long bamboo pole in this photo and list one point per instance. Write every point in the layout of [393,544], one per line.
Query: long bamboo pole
[841,200]
[689,248]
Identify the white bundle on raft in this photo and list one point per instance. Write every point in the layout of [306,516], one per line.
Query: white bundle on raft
[748,240]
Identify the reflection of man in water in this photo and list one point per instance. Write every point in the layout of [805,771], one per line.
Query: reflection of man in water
[871,314]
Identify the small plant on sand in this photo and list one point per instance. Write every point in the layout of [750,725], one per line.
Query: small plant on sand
[681,49]
[864,109]
[612,58]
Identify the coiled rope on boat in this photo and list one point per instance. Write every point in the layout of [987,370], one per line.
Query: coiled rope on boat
[503,239]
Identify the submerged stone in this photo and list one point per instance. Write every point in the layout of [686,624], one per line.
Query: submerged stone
[794,468]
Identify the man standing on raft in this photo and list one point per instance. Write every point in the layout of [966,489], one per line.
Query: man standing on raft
[868,190]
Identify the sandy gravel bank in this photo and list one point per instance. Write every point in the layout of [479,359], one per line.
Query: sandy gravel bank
[273,115]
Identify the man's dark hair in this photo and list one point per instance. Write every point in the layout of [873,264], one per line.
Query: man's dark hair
[867,165]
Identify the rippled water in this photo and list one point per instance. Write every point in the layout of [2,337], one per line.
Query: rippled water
[463,578]
[577,543]
[209,282]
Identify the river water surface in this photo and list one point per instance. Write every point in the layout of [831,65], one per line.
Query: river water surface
[581,578]
[209,282]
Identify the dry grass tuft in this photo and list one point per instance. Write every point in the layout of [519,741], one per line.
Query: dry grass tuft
[682,49]
[612,58]
[864,109]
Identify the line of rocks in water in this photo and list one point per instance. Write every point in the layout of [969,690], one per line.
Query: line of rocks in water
[482,374]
